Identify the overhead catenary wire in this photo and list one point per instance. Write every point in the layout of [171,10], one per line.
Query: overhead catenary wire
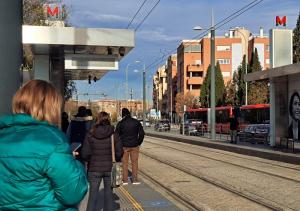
[140,24]
[216,26]
[136,13]
[204,33]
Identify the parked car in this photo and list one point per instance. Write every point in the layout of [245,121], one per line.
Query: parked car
[163,125]
[147,123]
[192,127]
[256,133]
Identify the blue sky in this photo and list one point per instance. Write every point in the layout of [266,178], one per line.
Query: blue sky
[168,24]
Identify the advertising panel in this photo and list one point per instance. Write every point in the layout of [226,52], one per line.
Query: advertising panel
[294,108]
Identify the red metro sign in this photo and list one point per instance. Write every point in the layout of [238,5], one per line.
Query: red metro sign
[53,11]
[281,21]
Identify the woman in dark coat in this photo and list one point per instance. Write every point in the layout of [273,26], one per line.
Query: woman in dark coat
[97,152]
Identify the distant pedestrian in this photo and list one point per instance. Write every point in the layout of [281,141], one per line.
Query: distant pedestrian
[64,122]
[38,171]
[97,151]
[131,134]
[90,118]
[234,125]
[79,127]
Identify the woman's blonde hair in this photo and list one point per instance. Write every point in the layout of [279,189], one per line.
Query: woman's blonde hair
[40,100]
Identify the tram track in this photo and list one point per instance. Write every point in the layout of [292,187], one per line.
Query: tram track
[234,164]
[179,198]
[252,197]
[226,147]
[235,155]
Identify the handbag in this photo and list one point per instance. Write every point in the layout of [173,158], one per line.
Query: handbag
[117,168]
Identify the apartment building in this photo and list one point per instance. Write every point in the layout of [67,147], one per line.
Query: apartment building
[193,57]
[160,102]
[186,72]
[261,43]
[171,69]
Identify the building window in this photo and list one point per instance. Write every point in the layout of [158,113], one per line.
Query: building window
[196,87]
[226,74]
[198,62]
[267,61]
[223,61]
[223,48]
[197,74]
[192,49]
[267,47]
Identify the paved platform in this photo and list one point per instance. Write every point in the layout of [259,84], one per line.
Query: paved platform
[262,151]
[135,197]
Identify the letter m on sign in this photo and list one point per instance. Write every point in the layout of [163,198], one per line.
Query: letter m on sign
[281,21]
[52,11]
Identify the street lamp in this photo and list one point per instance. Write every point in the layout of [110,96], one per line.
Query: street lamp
[144,92]
[246,70]
[213,81]
[126,78]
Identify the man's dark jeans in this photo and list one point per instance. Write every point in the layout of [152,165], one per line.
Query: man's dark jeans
[95,179]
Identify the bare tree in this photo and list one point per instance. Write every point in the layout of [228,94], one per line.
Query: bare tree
[187,99]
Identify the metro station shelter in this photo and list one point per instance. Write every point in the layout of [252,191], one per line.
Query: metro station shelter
[59,52]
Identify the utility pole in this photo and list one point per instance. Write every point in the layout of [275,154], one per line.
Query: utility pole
[213,82]
[171,98]
[131,93]
[144,96]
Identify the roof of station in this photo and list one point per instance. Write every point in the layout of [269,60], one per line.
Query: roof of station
[87,51]
[273,73]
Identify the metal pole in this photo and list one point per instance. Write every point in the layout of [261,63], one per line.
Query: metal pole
[144,97]
[213,83]
[126,95]
[246,70]
[10,52]
[171,100]
[246,83]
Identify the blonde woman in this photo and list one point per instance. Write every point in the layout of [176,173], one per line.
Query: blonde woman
[37,168]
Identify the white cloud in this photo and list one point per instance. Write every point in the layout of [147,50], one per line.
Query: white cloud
[94,17]
[157,35]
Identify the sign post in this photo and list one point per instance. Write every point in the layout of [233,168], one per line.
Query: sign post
[183,119]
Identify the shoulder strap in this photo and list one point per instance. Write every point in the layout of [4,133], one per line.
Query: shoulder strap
[113,149]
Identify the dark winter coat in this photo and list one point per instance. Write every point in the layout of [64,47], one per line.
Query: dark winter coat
[78,128]
[37,168]
[97,149]
[131,132]
[234,124]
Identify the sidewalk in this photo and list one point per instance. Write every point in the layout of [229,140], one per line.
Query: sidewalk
[245,148]
[134,197]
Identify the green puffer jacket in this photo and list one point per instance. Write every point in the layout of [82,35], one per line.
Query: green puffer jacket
[37,169]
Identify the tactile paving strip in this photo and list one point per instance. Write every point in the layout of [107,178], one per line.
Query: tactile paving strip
[124,200]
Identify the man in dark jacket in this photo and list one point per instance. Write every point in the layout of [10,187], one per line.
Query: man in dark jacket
[79,127]
[131,135]
[234,125]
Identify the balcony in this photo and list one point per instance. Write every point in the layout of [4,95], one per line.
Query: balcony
[195,68]
[195,80]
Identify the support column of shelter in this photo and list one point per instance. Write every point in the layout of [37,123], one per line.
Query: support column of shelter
[57,69]
[272,114]
[10,51]
[41,67]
